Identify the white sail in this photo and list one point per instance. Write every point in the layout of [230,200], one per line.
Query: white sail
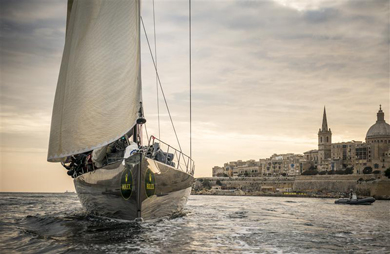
[99,86]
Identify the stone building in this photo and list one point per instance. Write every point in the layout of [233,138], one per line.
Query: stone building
[361,151]
[311,157]
[374,153]
[218,171]
[343,154]
[282,164]
[238,168]
[248,168]
[320,159]
[229,167]
[324,142]
[378,143]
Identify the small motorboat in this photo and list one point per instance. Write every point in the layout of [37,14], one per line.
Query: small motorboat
[360,201]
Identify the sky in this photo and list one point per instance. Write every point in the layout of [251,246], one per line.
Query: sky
[262,72]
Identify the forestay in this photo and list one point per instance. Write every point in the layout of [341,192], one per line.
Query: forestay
[99,86]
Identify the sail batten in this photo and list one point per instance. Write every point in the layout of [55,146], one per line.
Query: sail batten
[99,86]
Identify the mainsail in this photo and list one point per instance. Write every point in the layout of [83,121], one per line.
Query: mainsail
[99,86]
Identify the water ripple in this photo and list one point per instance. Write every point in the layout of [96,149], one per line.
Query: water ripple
[56,223]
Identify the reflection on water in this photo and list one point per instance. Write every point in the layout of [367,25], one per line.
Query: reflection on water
[31,223]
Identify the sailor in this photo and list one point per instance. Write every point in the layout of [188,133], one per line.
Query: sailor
[98,156]
[111,148]
[350,194]
[131,149]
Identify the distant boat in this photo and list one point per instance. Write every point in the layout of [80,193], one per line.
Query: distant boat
[353,200]
[96,129]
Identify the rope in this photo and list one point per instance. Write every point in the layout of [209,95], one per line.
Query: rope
[147,135]
[155,55]
[159,81]
[190,79]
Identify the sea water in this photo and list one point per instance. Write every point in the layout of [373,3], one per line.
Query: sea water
[56,223]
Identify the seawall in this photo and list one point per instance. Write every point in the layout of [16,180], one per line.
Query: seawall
[364,185]
[318,185]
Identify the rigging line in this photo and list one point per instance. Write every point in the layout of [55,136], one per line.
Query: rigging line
[147,135]
[155,55]
[190,65]
[146,130]
[159,81]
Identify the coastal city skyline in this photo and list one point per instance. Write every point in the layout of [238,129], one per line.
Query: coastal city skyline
[262,73]
[371,154]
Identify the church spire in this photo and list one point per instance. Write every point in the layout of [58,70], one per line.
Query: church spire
[324,122]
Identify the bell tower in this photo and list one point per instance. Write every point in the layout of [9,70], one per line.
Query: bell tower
[324,140]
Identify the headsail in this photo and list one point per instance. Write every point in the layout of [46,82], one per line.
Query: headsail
[99,86]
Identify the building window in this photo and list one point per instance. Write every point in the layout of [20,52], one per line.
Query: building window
[321,139]
[327,139]
[376,165]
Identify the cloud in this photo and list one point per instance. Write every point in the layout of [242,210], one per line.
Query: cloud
[308,5]
[259,64]
[27,11]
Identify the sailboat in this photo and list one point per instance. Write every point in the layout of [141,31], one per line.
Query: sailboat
[98,119]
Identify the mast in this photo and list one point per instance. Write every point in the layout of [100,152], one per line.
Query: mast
[155,56]
[137,134]
[137,127]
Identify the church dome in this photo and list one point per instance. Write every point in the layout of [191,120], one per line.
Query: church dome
[380,128]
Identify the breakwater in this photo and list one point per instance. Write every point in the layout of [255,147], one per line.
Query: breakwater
[333,186]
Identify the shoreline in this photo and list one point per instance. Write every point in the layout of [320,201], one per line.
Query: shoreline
[324,186]
[267,195]
[282,195]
